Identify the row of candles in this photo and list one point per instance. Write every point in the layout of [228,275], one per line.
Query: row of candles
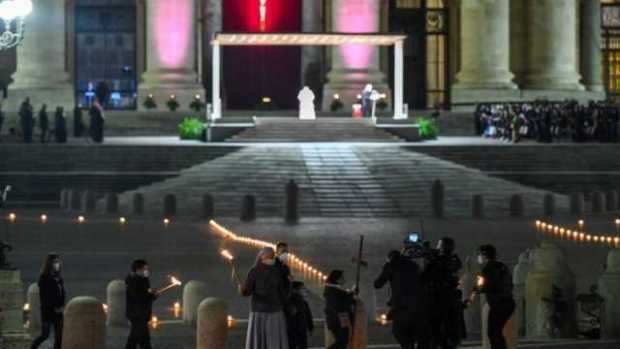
[578,235]
[294,262]
[44,218]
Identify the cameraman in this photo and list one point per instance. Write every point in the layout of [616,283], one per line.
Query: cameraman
[408,305]
[442,269]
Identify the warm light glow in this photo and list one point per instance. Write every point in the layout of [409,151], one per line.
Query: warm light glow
[266,99]
[230,321]
[43,218]
[176,305]
[105,308]
[122,220]
[197,97]
[479,281]
[81,219]
[581,222]
[175,281]
[166,221]
[262,11]
[617,221]
[26,307]
[12,217]
[227,255]
[336,96]
[11,9]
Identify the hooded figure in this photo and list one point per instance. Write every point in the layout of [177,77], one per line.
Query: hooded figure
[43,123]
[96,122]
[60,126]
[26,120]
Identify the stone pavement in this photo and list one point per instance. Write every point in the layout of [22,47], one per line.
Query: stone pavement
[336,180]
[100,250]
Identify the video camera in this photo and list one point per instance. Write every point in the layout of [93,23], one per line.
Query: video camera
[415,247]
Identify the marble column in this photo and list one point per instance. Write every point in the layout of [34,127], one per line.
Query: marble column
[518,40]
[171,46]
[41,60]
[552,45]
[485,46]
[353,66]
[311,56]
[212,24]
[591,41]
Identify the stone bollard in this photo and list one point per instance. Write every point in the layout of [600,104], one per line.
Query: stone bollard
[477,206]
[510,329]
[138,204]
[64,198]
[111,203]
[519,276]
[74,200]
[597,199]
[32,297]
[89,201]
[437,198]
[577,204]
[471,269]
[516,206]
[548,269]
[611,200]
[212,328]
[193,293]
[170,205]
[84,325]
[208,207]
[292,202]
[359,339]
[609,288]
[248,208]
[116,303]
[549,205]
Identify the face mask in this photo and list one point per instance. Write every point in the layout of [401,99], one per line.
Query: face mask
[144,273]
[269,262]
[480,259]
[56,266]
[283,257]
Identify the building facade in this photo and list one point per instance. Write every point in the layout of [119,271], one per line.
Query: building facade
[458,52]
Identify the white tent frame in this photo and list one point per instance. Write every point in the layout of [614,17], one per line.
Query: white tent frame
[308,39]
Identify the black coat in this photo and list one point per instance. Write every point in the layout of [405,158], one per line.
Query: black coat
[408,289]
[300,320]
[337,301]
[52,296]
[139,298]
[96,124]
[43,120]
[266,286]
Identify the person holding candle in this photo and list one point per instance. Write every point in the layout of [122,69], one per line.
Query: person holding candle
[265,285]
[495,283]
[52,296]
[140,299]
[339,305]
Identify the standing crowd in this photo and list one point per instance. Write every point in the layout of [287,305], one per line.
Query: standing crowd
[546,121]
[426,306]
[29,121]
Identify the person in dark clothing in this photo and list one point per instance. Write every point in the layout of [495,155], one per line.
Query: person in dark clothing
[102,91]
[26,120]
[43,123]
[78,123]
[367,101]
[52,297]
[339,309]
[300,321]
[408,305]
[496,285]
[60,126]
[140,298]
[97,122]
[282,263]
[265,284]
[442,275]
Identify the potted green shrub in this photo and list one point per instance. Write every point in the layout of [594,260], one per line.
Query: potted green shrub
[191,129]
[427,128]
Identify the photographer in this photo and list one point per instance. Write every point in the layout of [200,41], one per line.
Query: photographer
[442,270]
[408,305]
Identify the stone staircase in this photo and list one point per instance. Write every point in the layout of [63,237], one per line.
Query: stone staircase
[282,129]
[335,180]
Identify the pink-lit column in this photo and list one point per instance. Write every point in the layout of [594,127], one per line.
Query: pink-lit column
[353,66]
[171,46]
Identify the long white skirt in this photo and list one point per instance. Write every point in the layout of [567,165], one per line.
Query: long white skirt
[267,331]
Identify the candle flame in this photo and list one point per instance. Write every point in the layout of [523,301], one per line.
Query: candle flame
[81,219]
[43,218]
[27,307]
[175,281]
[480,281]
[12,216]
[227,255]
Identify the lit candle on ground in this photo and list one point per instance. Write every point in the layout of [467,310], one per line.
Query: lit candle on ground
[81,219]
[43,218]
[12,217]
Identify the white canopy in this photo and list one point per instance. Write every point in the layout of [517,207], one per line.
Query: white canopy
[309,39]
